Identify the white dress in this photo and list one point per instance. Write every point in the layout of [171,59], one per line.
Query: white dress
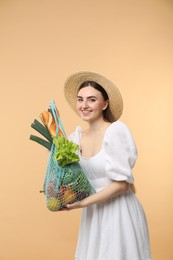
[115,229]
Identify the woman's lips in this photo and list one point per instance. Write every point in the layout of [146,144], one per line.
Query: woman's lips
[86,110]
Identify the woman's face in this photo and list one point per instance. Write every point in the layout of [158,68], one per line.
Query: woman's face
[90,104]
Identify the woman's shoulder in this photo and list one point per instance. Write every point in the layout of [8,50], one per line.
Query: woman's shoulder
[75,135]
[118,131]
[117,127]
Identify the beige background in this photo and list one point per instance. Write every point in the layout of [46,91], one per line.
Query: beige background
[41,43]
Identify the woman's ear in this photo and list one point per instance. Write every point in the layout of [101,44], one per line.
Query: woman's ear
[106,104]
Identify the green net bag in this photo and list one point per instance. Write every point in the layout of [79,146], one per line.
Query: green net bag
[65,181]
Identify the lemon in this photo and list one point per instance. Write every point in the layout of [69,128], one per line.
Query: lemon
[53,204]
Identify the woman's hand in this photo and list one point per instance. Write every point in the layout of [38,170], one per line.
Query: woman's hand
[75,205]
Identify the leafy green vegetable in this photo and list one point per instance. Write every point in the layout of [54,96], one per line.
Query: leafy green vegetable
[65,151]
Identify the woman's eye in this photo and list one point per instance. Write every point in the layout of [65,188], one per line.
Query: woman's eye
[79,99]
[92,100]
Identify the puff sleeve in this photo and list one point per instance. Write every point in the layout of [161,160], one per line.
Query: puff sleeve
[75,136]
[120,152]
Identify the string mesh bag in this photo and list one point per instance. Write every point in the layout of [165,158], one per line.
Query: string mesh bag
[65,181]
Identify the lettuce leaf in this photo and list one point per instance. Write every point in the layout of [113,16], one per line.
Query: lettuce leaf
[65,151]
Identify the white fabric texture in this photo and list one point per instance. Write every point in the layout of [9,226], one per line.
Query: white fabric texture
[116,229]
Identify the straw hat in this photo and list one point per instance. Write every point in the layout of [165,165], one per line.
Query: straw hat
[75,80]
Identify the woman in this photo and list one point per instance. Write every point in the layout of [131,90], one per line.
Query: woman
[113,224]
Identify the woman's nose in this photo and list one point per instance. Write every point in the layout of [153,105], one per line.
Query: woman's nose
[85,104]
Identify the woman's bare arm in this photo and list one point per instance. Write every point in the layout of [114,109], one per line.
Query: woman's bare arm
[114,189]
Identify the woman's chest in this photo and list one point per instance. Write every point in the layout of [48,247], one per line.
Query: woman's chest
[91,145]
[95,166]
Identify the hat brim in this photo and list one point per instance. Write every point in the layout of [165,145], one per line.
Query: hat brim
[75,80]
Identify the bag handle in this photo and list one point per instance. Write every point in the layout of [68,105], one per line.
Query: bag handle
[57,118]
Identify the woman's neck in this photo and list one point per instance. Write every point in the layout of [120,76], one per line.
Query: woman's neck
[97,125]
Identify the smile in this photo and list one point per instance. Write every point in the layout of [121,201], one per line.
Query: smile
[85,111]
